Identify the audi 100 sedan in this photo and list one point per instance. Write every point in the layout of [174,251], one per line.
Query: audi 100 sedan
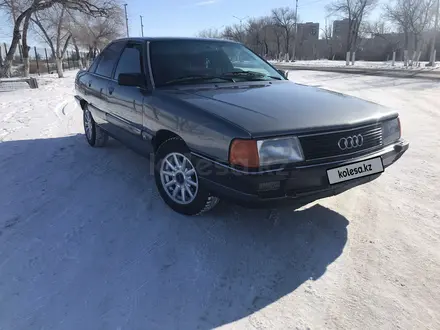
[221,122]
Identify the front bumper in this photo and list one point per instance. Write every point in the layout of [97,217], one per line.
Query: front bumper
[297,185]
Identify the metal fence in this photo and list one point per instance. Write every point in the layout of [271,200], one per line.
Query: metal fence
[41,60]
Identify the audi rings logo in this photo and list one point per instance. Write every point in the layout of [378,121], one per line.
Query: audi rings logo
[351,142]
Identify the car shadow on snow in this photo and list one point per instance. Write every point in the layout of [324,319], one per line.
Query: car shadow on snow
[137,264]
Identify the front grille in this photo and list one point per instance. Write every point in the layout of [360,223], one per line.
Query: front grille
[325,145]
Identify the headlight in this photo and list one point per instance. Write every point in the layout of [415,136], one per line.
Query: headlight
[252,153]
[279,151]
[391,131]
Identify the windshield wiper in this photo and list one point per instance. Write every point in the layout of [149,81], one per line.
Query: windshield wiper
[250,74]
[195,78]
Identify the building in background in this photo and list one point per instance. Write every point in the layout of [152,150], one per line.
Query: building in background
[307,37]
[308,31]
[340,29]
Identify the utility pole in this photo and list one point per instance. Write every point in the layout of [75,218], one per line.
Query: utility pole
[240,19]
[241,25]
[142,27]
[433,51]
[126,19]
[296,30]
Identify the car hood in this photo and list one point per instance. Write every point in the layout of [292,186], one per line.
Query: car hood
[283,107]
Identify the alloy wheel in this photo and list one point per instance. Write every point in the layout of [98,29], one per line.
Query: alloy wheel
[179,178]
[88,124]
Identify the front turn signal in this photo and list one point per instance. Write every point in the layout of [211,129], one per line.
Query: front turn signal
[244,153]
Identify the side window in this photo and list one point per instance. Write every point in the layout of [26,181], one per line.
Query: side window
[108,59]
[130,61]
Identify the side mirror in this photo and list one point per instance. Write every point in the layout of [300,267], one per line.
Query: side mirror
[131,79]
[285,74]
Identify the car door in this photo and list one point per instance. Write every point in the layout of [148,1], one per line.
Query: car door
[87,83]
[101,78]
[127,101]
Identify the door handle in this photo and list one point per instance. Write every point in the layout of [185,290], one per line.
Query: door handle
[111,90]
[90,83]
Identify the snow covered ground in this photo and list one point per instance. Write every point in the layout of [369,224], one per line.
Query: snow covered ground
[358,64]
[86,243]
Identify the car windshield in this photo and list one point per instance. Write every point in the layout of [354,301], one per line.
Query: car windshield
[206,61]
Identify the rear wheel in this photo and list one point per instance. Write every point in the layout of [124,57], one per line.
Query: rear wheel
[95,135]
[177,179]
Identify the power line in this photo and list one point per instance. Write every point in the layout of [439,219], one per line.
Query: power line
[312,3]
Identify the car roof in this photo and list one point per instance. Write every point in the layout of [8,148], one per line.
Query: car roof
[173,39]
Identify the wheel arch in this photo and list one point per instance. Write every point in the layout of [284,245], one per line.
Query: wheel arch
[83,104]
[162,136]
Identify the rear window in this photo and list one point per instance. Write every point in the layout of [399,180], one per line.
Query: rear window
[108,59]
[94,64]
[130,61]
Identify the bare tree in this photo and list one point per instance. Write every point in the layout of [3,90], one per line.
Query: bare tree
[422,20]
[26,47]
[77,53]
[255,35]
[432,51]
[377,28]
[327,35]
[278,36]
[381,29]
[411,17]
[52,28]
[284,18]
[235,32]
[260,34]
[355,11]
[91,7]
[210,33]
[399,14]
[95,34]
[266,27]
[13,8]
[71,26]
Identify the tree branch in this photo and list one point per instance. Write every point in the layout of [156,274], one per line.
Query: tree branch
[45,34]
[65,45]
[58,35]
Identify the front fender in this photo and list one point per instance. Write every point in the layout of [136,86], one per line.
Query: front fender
[81,102]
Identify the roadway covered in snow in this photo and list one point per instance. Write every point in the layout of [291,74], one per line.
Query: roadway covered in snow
[358,64]
[86,242]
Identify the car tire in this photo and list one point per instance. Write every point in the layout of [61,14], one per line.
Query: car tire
[177,179]
[95,135]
